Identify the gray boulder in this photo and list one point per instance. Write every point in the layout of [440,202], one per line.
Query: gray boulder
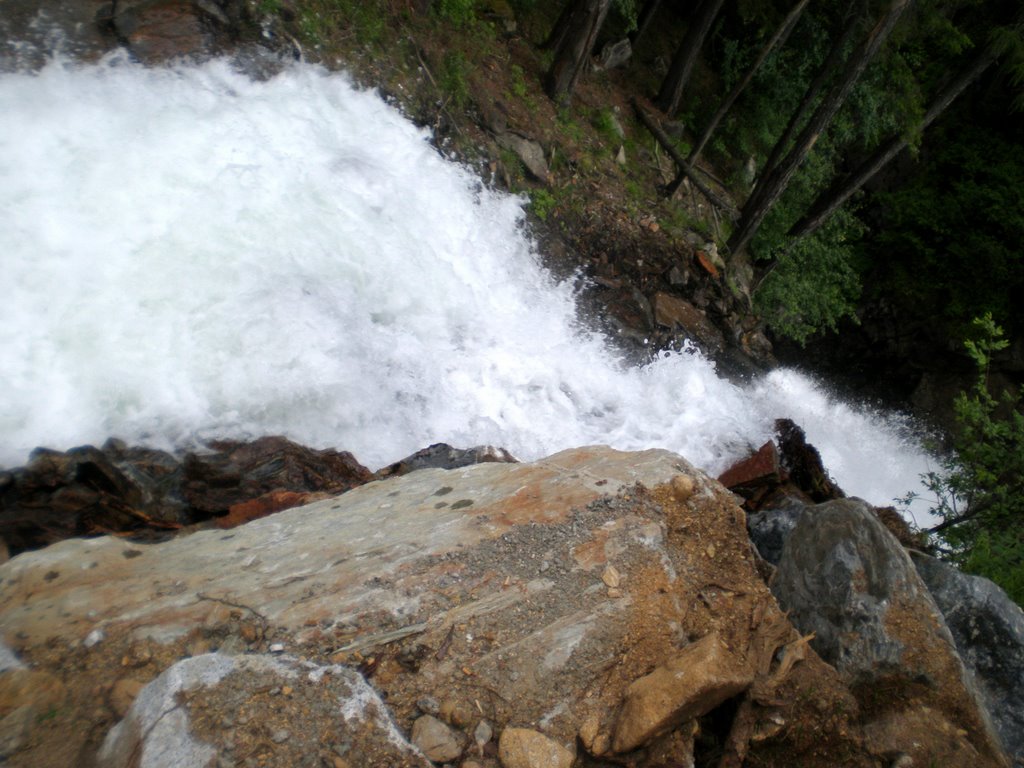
[988,628]
[844,577]
[769,528]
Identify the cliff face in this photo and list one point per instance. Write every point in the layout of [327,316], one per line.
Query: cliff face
[592,608]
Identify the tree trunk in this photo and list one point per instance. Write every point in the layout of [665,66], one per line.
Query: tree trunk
[771,188]
[828,67]
[643,23]
[835,196]
[675,81]
[777,39]
[575,40]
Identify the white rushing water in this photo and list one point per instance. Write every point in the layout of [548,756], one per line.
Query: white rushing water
[188,253]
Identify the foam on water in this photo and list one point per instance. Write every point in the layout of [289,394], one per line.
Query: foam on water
[188,253]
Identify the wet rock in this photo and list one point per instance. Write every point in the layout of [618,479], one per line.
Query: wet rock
[988,628]
[237,472]
[803,464]
[701,677]
[33,29]
[436,740]
[770,527]
[526,748]
[88,491]
[157,31]
[675,313]
[444,456]
[759,470]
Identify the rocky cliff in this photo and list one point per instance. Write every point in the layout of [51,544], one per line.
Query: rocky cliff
[594,608]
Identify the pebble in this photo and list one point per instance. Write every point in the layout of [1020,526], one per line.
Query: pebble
[428,705]
[277,647]
[435,739]
[280,736]
[682,487]
[611,576]
[95,637]
[525,748]
[482,734]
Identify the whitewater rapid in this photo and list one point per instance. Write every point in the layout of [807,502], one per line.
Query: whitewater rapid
[188,253]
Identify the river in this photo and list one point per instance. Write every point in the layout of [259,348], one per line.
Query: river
[188,253]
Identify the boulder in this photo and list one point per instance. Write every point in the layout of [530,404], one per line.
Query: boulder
[490,597]
[843,577]
[988,628]
[691,684]
[674,312]
[614,54]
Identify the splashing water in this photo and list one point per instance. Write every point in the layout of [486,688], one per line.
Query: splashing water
[188,253]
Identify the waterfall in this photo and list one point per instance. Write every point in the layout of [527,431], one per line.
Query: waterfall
[188,253]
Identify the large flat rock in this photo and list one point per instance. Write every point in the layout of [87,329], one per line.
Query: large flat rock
[333,561]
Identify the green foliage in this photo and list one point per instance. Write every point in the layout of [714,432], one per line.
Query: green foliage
[459,13]
[319,19]
[518,81]
[542,203]
[979,492]
[950,239]
[454,78]
[816,281]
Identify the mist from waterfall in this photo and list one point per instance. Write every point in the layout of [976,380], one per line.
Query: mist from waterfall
[188,253]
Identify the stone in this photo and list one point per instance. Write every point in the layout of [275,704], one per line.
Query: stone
[770,527]
[988,629]
[760,469]
[692,684]
[160,30]
[846,579]
[674,312]
[444,456]
[436,740]
[239,471]
[614,54]
[528,151]
[160,728]
[526,748]
[683,487]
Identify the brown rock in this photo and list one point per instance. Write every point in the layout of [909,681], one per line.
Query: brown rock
[267,504]
[761,469]
[696,681]
[122,693]
[673,312]
[525,748]
[436,740]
